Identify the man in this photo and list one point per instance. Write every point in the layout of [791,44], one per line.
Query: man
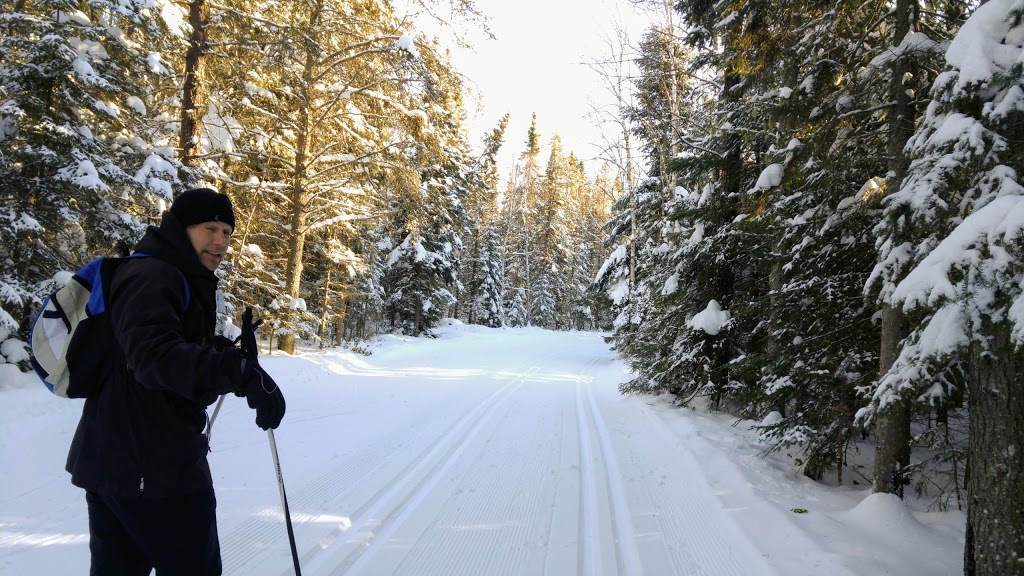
[139,450]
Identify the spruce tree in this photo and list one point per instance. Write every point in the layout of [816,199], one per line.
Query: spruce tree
[950,253]
[84,163]
[519,244]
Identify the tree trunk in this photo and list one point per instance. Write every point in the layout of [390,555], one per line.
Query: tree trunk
[773,346]
[327,300]
[995,458]
[194,92]
[725,281]
[299,194]
[892,427]
[417,317]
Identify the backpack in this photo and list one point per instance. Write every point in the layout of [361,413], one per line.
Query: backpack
[72,333]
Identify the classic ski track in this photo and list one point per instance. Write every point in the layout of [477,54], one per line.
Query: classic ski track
[486,516]
[589,557]
[626,553]
[248,542]
[681,535]
[436,463]
[237,547]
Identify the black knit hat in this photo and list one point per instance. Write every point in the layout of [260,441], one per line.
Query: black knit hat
[200,205]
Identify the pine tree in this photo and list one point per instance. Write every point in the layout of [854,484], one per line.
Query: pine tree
[950,251]
[482,262]
[551,248]
[489,308]
[424,262]
[808,216]
[84,163]
[518,242]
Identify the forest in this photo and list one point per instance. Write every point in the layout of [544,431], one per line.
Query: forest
[810,216]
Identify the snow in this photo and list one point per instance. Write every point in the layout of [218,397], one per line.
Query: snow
[101,106]
[772,418]
[87,74]
[985,46]
[671,285]
[256,90]
[174,17]
[76,16]
[122,38]
[406,43]
[698,234]
[89,48]
[705,194]
[912,42]
[929,283]
[155,63]
[253,251]
[135,103]
[619,290]
[770,177]
[7,127]
[82,174]
[483,451]
[729,19]
[711,320]
[156,163]
[14,350]
[945,333]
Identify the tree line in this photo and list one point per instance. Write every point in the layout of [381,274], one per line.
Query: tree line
[827,238]
[340,135]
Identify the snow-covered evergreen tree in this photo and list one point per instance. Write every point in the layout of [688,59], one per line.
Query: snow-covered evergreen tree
[84,162]
[424,261]
[951,251]
[551,247]
[519,242]
[482,262]
[632,283]
[489,308]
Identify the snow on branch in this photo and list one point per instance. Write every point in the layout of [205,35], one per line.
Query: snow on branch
[978,242]
[711,320]
[418,115]
[986,45]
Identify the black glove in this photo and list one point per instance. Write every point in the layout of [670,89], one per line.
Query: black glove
[248,337]
[259,389]
[263,395]
[222,342]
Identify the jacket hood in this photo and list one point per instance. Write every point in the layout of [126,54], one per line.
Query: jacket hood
[170,243]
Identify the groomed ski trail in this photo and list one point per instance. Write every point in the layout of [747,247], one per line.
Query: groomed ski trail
[535,469]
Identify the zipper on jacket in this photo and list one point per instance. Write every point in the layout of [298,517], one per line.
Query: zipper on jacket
[142,484]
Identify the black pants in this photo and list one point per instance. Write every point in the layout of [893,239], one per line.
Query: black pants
[177,536]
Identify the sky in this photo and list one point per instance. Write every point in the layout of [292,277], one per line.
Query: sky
[538,63]
[484,451]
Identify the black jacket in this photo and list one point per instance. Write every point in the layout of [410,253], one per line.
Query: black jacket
[141,433]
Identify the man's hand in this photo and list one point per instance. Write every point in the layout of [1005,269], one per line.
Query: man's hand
[261,392]
[263,395]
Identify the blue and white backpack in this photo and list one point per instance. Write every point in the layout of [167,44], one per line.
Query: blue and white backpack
[72,332]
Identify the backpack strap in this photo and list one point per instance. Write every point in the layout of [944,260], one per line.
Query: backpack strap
[188,290]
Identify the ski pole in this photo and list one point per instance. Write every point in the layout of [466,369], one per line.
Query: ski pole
[209,426]
[284,501]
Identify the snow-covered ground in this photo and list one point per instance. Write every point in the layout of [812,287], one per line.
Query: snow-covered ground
[482,452]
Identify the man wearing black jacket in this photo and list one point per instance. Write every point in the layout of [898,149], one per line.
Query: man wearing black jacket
[139,450]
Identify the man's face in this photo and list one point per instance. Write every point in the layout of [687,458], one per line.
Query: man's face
[210,240]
